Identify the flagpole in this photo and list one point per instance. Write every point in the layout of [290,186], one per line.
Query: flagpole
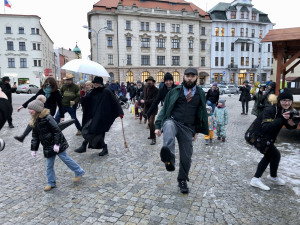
[4,6]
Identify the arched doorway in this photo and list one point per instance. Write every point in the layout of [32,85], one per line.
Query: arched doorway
[129,76]
[160,75]
[176,76]
[145,75]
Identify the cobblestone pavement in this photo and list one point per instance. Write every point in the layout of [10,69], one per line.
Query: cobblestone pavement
[133,187]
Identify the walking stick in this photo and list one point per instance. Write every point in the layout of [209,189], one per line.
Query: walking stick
[125,143]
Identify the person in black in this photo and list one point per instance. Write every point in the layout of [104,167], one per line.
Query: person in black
[132,91]
[139,96]
[212,96]
[162,92]
[273,118]
[102,109]
[8,90]
[5,113]
[269,91]
[245,97]
[53,99]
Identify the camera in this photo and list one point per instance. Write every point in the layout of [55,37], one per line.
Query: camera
[294,115]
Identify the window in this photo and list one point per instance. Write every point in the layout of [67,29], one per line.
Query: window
[242,15]
[23,62]
[216,61]
[232,61]
[38,46]
[222,31]
[242,46]
[145,59]
[145,43]
[37,31]
[269,47]
[11,62]
[129,76]
[109,42]
[128,41]
[247,47]
[260,34]
[190,60]
[246,32]
[32,30]
[253,48]
[147,26]
[160,76]
[217,31]
[233,15]
[268,62]
[10,45]
[242,61]
[145,75]
[8,30]
[253,33]
[177,28]
[217,46]
[232,46]
[222,46]
[247,61]
[254,16]
[142,26]
[242,32]
[252,62]
[158,27]
[202,61]
[128,25]
[176,76]
[37,63]
[232,32]
[258,61]
[110,60]
[161,43]
[222,61]
[175,43]
[128,59]
[22,46]
[21,30]
[175,60]
[191,29]
[202,30]
[202,45]
[259,48]
[162,28]
[109,24]
[33,46]
[161,60]
[191,42]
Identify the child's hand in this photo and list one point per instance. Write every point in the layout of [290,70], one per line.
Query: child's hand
[56,148]
[33,154]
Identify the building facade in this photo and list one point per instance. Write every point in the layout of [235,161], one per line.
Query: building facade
[26,50]
[136,39]
[236,51]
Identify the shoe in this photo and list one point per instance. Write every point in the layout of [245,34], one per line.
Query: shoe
[104,151]
[78,133]
[11,126]
[223,139]
[219,138]
[183,187]
[19,138]
[210,141]
[242,113]
[167,157]
[2,144]
[246,113]
[153,142]
[81,149]
[256,182]
[206,142]
[149,138]
[48,188]
[277,180]
[76,179]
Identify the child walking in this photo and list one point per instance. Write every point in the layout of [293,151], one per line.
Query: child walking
[212,125]
[46,132]
[221,115]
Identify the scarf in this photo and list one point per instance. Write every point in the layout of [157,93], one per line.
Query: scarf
[47,91]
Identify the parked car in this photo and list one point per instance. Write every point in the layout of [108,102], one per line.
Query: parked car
[205,87]
[27,88]
[228,89]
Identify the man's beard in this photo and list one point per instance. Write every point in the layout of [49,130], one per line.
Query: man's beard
[189,84]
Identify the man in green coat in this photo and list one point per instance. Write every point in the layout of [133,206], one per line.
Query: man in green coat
[183,116]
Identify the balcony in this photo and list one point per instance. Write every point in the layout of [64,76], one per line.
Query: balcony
[232,67]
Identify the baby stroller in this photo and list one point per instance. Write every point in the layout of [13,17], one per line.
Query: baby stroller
[123,100]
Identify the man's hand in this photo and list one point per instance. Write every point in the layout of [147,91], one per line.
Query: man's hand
[2,94]
[195,137]
[158,132]
[21,107]
[62,119]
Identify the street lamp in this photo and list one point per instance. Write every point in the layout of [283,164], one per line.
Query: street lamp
[97,34]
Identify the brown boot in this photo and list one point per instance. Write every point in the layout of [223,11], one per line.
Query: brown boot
[223,139]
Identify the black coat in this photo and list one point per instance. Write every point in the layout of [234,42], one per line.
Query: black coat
[7,89]
[245,95]
[51,102]
[132,91]
[47,132]
[149,95]
[213,96]
[5,111]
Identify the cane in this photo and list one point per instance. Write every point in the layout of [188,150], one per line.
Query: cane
[125,143]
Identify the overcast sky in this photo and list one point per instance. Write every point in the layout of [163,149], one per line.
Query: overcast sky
[63,19]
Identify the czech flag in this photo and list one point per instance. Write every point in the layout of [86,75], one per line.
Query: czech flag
[7,3]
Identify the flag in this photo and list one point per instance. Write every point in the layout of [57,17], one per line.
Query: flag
[140,75]
[7,3]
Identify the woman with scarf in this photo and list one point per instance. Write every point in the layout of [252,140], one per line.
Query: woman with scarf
[53,98]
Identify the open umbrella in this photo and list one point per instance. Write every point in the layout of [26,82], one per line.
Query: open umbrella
[86,66]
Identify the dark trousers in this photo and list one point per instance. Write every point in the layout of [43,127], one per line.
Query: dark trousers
[272,157]
[244,102]
[152,126]
[72,112]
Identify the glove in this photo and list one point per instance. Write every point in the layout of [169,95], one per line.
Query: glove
[121,116]
[33,154]
[56,148]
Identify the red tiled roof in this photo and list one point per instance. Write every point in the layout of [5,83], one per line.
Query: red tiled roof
[111,5]
[287,34]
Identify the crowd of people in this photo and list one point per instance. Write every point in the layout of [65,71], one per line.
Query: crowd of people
[185,112]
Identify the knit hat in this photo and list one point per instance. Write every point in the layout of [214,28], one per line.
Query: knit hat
[285,94]
[98,80]
[273,85]
[5,79]
[222,101]
[138,82]
[37,104]
[168,76]
[215,84]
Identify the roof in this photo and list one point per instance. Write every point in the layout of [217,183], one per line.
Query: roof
[287,34]
[176,5]
[294,79]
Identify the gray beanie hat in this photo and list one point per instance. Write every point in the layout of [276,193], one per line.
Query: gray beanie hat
[37,104]
[222,101]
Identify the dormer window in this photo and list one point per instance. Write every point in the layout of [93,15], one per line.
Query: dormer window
[242,15]
[254,16]
[233,15]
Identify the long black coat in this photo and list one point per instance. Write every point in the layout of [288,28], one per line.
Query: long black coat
[5,111]
[51,102]
[245,95]
[213,96]
[47,132]
[7,89]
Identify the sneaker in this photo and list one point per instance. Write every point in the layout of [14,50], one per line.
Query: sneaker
[182,184]
[76,179]
[78,133]
[277,180]
[166,157]
[48,188]
[11,126]
[256,182]
[223,139]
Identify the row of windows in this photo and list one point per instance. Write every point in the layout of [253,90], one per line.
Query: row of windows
[23,63]
[243,15]
[161,60]
[243,32]
[22,46]
[144,75]
[22,30]
[244,47]
[244,62]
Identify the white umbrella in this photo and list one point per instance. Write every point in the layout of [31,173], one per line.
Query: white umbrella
[86,66]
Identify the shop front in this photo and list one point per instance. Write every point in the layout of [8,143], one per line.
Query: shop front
[202,77]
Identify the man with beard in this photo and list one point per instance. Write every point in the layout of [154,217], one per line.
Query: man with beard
[70,97]
[150,93]
[182,116]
